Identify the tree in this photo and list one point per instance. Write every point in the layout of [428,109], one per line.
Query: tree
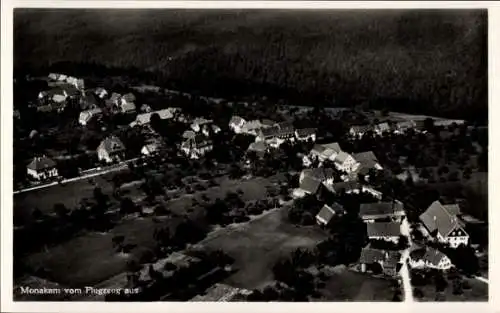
[61,210]
[127,206]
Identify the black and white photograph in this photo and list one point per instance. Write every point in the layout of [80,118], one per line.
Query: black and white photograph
[250,155]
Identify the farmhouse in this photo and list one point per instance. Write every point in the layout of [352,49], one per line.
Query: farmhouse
[388,231]
[429,258]
[442,222]
[251,127]
[370,212]
[321,174]
[110,150]
[345,162]
[197,146]
[327,213]
[88,115]
[403,126]
[347,187]
[127,107]
[260,148]
[381,128]
[42,168]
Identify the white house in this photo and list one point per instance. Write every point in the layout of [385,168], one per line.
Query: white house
[236,124]
[197,146]
[42,168]
[111,149]
[305,134]
[346,162]
[145,118]
[443,223]
[86,116]
[429,258]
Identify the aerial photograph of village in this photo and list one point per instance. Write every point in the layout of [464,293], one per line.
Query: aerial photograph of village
[250,155]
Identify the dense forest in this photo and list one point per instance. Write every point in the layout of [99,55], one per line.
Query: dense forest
[430,62]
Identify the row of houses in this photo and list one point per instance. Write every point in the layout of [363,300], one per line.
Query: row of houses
[358,131]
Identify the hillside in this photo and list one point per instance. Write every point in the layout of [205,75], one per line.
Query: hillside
[432,62]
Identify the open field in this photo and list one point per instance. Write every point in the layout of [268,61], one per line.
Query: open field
[90,259]
[353,286]
[253,189]
[256,246]
[69,194]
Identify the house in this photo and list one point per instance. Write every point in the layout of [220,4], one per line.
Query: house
[388,231]
[375,193]
[359,130]
[345,162]
[429,258]
[197,146]
[70,91]
[327,212]
[127,107]
[325,151]
[86,116]
[115,98]
[145,108]
[57,95]
[442,222]
[307,186]
[381,128]
[209,129]
[145,118]
[128,98]
[260,148]
[188,134]
[101,92]
[305,134]
[111,149]
[236,124]
[222,293]
[324,175]
[177,259]
[388,261]
[42,168]
[198,123]
[347,187]
[370,212]
[251,127]
[403,126]
[150,148]
[367,161]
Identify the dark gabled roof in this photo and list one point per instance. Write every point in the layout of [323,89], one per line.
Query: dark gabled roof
[380,208]
[112,144]
[370,255]
[360,128]
[305,132]
[285,126]
[270,131]
[318,149]
[366,159]
[40,163]
[332,146]
[383,229]
[430,255]
[347,186]
[310,185]
[341,157]
[236,120]
[267,122]
[437,217]
[70,89]
[196,142]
